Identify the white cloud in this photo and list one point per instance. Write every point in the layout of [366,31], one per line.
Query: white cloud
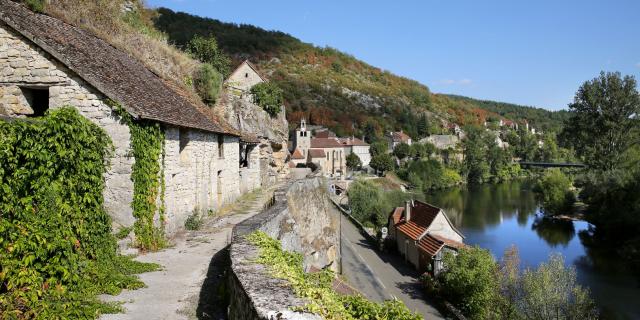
[461,82]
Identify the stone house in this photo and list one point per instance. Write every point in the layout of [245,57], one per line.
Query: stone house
[244,77]
[396,138]
[335,149]
[422,234]
[46,63]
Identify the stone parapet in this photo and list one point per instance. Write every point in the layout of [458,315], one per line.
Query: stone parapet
[305,221]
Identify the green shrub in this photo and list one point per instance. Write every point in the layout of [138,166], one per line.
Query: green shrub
[208,83]
[35,5]
[58,250]
[470,282]
[353,161]
[193,222]
[207,51]
[317,287]
[554,190]
[268,96]
[123,232]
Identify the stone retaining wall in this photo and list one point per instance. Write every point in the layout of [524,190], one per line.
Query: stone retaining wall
[305,221]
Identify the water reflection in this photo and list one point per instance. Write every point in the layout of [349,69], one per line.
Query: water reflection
[554,232]
[498,216]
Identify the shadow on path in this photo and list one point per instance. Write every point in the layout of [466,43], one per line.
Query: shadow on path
[214,295]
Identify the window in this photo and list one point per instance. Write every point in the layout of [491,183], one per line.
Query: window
[37,98]
[220,146]
[246,75]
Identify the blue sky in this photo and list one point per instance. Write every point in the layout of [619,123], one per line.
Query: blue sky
[527,52]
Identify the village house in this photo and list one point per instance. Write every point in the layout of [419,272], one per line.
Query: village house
[397,137]
[46,63]
[308,148]
[423,233]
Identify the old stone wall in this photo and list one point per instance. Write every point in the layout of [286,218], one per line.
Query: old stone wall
[197,179]
[250,175]
[24,66]
[305,221]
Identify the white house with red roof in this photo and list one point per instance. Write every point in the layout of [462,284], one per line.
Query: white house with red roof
[423,233]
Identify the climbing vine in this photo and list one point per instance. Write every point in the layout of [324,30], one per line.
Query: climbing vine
[147,148]
[317,287]
[57,252]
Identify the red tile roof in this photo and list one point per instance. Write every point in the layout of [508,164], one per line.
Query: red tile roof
[397,215]
[422,215]
[411,229]
[317,153]
[320,143]
[449,242]
[400,136]
[352,142]
[430,244]
[297,154]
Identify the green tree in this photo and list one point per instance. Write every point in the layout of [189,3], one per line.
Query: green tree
[368,203]
[382,162]
[554,190]
[552,292]
[268,96]
[402,150]
[207,83]
[471,282]
[475,155]
[604,121]
[353,161]
[378,147]
[206,50]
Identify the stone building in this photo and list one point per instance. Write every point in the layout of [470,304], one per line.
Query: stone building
[396,138]
[46,63]
[423,233]
[334,149]
[264,137]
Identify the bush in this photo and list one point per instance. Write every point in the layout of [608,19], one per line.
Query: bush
[58,252]
[208,83]
[470,282]
[353,161]
[402,150]
[268,96]
[554,191]
[193,222]
[35,5]
[207,51]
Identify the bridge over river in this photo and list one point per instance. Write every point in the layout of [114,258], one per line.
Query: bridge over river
[551,164]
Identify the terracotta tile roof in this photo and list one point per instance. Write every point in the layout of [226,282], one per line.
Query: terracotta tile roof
[317,153]
[396,215]
[297,155]
[411,229]
[320,143]
[449,242]
[111,71]
[325,133]
[422,215]
[430,244]
[400,136]
[352,142]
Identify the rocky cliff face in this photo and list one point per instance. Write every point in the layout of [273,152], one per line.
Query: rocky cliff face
[272,132]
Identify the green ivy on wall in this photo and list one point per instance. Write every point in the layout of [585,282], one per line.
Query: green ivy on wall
[147,147]
[57,252]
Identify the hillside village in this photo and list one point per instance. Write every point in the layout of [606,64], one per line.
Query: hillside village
[193,180]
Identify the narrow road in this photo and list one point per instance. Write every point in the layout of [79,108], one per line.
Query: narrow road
[381,276]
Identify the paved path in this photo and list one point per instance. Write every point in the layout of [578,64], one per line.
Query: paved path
[381,276]
[189,267]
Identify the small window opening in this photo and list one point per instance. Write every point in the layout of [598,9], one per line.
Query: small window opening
[184,139]
[246,75]
[38,100]
[220,146]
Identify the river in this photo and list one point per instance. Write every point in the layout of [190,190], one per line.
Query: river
[498,216]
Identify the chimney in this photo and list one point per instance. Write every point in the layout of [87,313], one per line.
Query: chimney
[407,210]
